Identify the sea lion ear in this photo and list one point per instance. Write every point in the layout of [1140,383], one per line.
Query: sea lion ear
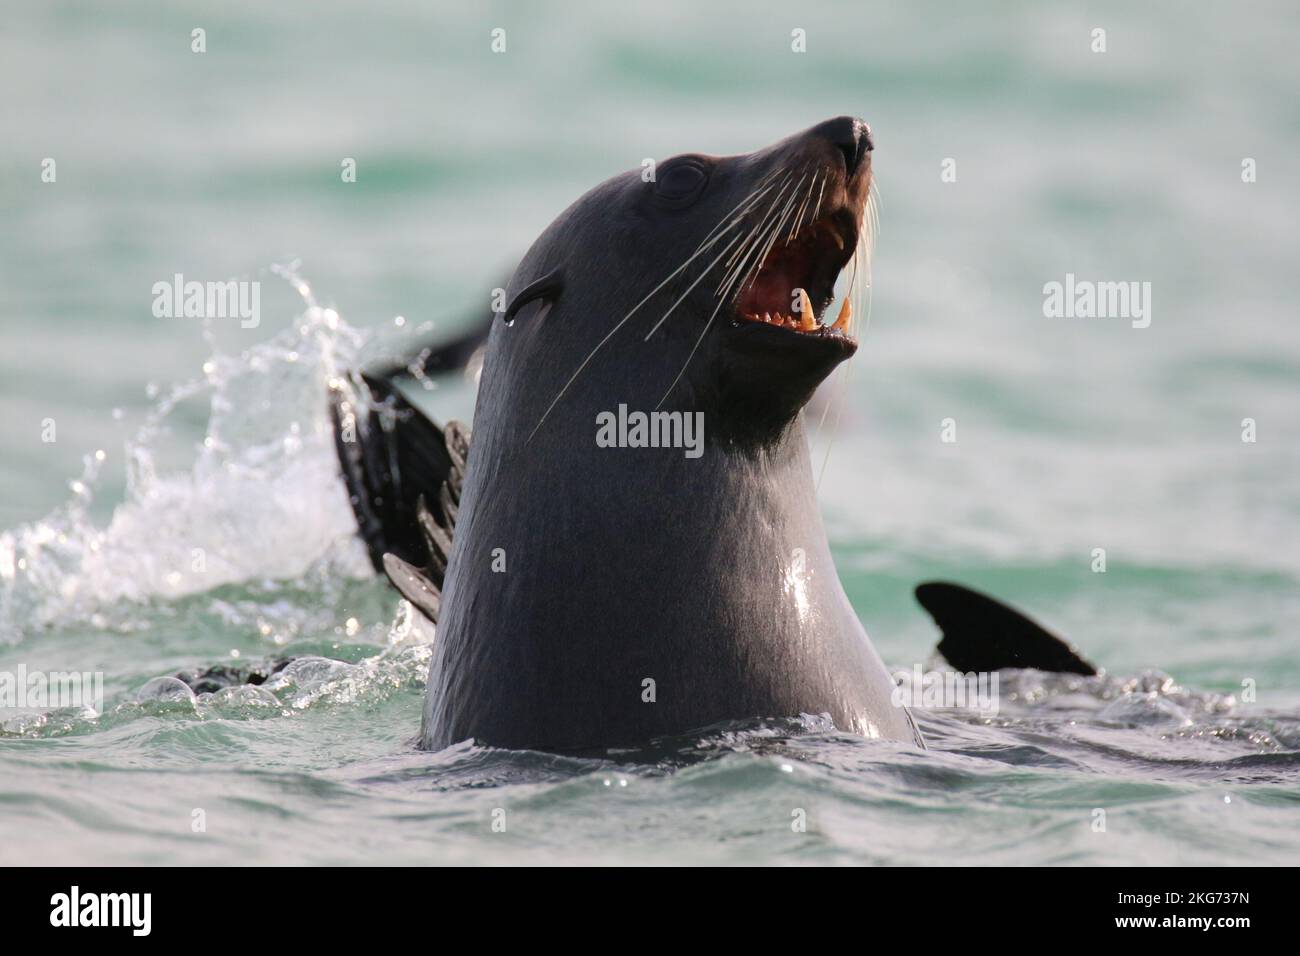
[548,287]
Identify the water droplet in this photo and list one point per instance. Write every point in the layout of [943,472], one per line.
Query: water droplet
[164,689]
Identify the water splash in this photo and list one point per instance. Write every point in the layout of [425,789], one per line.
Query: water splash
[259,498]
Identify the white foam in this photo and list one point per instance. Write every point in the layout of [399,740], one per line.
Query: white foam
[260,497]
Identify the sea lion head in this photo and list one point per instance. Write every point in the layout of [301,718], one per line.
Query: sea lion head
[704,285]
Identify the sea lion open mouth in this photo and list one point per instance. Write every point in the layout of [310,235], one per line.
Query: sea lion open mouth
[795,286]
[820,222]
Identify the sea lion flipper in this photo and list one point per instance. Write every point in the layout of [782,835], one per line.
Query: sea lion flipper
[390,454]
[437,538]
[982,634]
[414,586]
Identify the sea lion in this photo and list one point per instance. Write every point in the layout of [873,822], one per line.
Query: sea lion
[588,596]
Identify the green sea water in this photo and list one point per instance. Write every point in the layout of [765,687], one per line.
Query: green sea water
[1072,434]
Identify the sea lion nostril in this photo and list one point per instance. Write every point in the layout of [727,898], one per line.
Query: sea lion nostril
[851,137]
[852,156]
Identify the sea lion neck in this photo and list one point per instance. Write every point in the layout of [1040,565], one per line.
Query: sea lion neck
[619,566]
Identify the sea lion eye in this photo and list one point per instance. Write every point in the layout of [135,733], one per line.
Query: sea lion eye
[681,181]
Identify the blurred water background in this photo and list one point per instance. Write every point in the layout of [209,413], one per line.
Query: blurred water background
[1073,434]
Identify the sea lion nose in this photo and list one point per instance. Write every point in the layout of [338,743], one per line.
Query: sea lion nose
[850,136]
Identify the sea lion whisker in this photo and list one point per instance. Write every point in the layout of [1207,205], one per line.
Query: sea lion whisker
[748,202]
[866,250]
[768,239]
[776,231]
[708,241]
[841,395]
[762,218]
[694,348]
[798,220]
[820,193]
[733,266]
[744,247]
[857,293]
[789,205]
[867,294]
[737,220]
[747,267]
[743,256]
[715,235]
[611,332]
[804,207]
[731,282]
[874,203]
[703,272]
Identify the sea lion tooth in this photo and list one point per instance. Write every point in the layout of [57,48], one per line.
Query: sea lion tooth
[846,313]
[807,317]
